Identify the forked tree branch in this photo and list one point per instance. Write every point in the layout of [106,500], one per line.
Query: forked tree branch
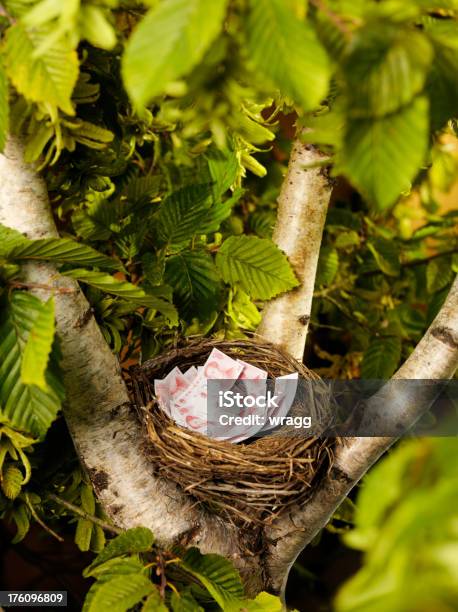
[105,432]
[435,358]
[302,208]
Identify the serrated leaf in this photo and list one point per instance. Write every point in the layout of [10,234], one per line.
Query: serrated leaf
[328,266]
[168,43]
[438,274]
[136,540]
[262,270]
[125,290]
[120,593]
[381,358]
[217,575]
[38,348]
[26,407]
[196,283]
[287,51]
[386,255]
[17,247]
[188,212]
[11,480]
[47,77]
[382,156]
[385,69]
[4,108]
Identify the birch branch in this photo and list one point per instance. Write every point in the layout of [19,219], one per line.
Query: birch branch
[302,208]
[105,432]
[435,358]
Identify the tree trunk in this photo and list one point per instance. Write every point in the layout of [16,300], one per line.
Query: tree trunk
[107,435]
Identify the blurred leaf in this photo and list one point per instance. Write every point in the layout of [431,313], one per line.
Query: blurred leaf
[385,69]
[48,76]
[386,254]
[328,265]
[11,479]
[168,43]
[382,156]
[438,274]
[262,270]
[381,358]
[287,51]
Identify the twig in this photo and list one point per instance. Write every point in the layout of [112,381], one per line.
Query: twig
[39,521]
[415,262]
[79,512]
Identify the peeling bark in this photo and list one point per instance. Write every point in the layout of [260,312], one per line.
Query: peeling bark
[302,208]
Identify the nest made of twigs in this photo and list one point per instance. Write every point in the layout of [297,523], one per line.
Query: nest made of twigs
[246,482]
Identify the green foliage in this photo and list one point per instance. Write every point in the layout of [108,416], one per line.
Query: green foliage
[41,75]
[15,246]
[196,283]
[123,579]
[126,290]
[170,40]
[287,51]
[420,486]
[257,264]
[38,348]
[25,406]
[382,156]
[381,358]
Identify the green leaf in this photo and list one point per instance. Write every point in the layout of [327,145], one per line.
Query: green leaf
[328,265]
[120,593]
[168,43]
[381,358]
[135,540]
[382,156]
[11,480]
[438,274]
[385,69]
[20,516]
[262,270]
[48,76]
[154,603]
[286,50]
[217,575]
[223,167]
[83,534]
[196,283]
[15,246]
[4,108]
[125,290]
[184,602]
[188,212]
[26,407]
[38,348]
[386,255]
[264,602]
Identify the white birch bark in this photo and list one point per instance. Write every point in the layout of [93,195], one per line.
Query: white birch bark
[302,208]
[105,432]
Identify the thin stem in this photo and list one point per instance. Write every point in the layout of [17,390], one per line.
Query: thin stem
[79,512]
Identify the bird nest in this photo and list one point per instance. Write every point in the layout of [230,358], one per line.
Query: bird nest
[250,482]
